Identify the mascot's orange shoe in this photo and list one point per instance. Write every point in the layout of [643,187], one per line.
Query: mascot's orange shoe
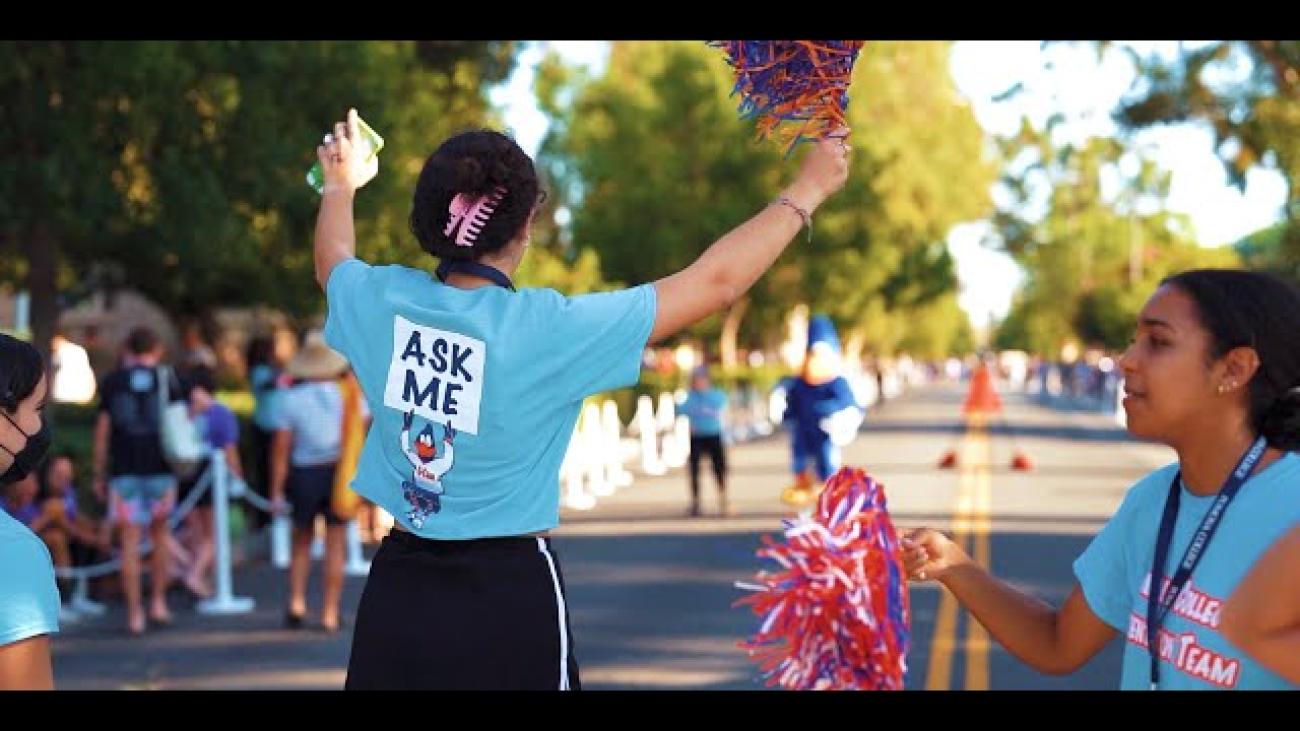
[802,493]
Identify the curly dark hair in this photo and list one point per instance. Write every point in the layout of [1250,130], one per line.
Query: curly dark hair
[474,163]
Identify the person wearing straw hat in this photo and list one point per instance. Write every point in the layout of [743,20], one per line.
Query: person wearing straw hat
[473,597]
[304,458]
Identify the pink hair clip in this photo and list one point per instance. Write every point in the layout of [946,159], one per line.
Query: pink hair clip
[471,217]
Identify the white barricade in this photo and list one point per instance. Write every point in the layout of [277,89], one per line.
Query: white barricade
[611,446]
[223,600]
[647,429]
[575,492]
[591,445]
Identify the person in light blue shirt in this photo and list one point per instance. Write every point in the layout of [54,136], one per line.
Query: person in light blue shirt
[29,596]
[1214,372]
[705,407]
[267,382]
[475,387]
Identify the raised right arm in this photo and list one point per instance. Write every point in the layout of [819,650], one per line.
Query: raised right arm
[728,268]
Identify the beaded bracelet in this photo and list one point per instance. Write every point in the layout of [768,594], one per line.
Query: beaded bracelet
[803,214]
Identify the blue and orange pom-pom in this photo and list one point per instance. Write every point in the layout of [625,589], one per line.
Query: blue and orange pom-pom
[836,615]
[797,90]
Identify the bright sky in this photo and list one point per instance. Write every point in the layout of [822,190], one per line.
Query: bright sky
[1076,86]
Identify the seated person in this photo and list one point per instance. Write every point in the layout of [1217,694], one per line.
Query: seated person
[19,500]
[74,538]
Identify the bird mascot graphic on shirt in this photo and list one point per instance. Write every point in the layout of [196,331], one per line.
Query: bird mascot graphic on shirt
[822,414]
[424,490]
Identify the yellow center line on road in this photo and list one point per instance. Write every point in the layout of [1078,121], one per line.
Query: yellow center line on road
[977,638]
[971,524]
[939,673]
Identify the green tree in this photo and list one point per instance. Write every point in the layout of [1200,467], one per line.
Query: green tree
[920,166]
[657,165]
[653,160]
[1263,249]
[546,268]
[1249,94]
[177,168]
[938,329]
[1091,262]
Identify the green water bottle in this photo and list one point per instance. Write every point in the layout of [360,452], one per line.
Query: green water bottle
[369,146]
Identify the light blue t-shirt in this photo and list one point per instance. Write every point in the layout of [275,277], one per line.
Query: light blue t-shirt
[704,409]
[313,411]
[262,379]
[491,381]
[1114,574]
[29,598]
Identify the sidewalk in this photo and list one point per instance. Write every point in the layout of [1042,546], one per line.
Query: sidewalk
[239,652]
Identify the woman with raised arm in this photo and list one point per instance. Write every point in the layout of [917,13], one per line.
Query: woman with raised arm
[475,387]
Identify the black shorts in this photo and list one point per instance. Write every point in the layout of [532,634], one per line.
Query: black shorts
[309,492]
[485,614]
[711,446]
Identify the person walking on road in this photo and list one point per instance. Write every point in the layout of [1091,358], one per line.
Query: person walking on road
[705,407]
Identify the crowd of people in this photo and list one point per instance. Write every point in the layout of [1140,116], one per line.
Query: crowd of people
[134,489]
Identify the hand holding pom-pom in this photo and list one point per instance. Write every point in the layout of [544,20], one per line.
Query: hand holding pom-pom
[797,89]
[836,615]
[929,554]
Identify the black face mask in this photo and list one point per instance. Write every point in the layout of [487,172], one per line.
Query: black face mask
[26,459]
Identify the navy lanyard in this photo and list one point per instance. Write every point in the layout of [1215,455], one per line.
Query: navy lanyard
[492,274]
[1157,604]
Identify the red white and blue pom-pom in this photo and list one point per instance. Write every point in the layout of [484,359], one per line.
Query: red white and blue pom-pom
[835,616]
[796,89]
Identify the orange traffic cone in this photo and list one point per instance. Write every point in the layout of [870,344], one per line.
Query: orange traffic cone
[982,397]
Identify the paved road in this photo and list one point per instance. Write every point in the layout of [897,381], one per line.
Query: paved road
[651,590]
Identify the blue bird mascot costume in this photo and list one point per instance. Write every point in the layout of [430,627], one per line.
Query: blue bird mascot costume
[822,414]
